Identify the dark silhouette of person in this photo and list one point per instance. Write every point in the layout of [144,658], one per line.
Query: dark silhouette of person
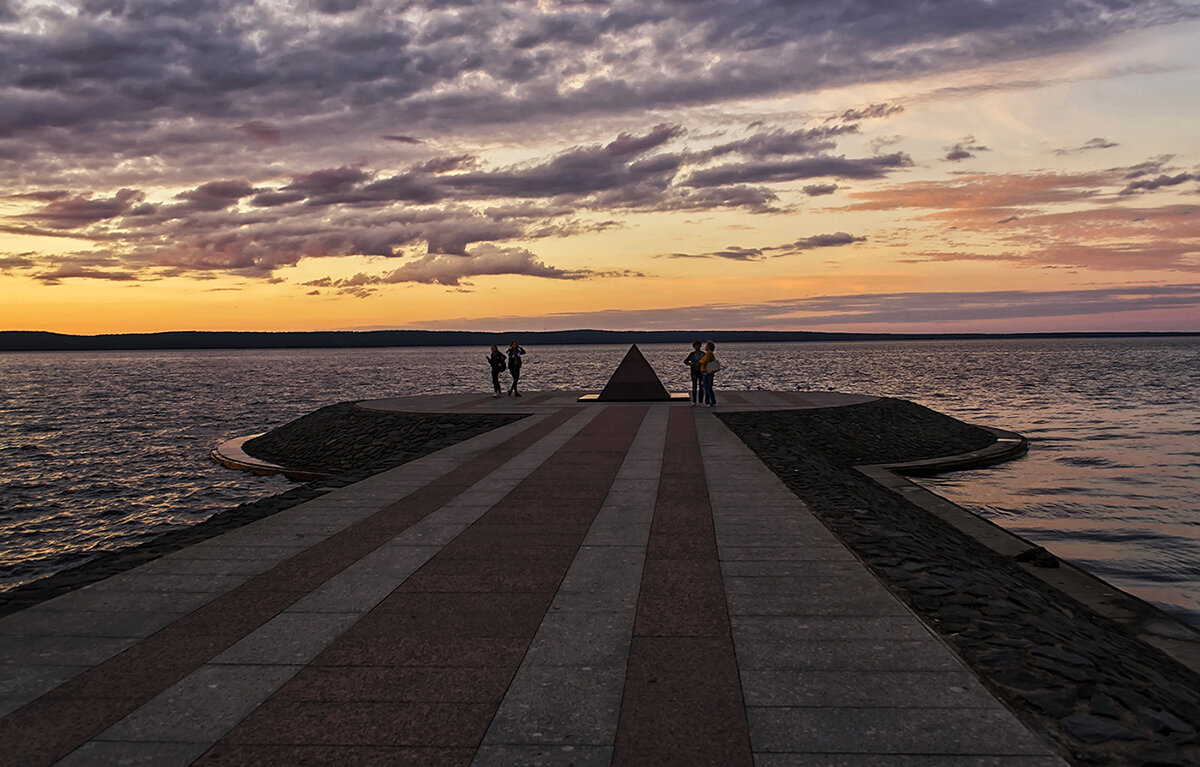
[693,362]
[496,360]
[514,367]
[709,366]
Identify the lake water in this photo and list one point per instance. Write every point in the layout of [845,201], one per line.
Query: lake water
[100,450]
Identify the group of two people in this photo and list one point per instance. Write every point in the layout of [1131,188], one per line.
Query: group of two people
[512,362]
[704,364]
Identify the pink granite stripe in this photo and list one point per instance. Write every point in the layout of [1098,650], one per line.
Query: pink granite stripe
[58,722]
[427,668]
[683,699]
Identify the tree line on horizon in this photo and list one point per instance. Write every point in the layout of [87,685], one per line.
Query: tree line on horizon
[33,340]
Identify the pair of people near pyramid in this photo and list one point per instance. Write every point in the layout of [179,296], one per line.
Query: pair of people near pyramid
[499,362]
[703,365]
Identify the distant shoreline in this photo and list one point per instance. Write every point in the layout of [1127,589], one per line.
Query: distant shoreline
[35,341]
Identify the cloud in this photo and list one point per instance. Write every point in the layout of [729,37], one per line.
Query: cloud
[82,210]
[1147,185]
[818,190]
[1096,143]
[216,195]
[455,270]
[872,112]
[919,311]
[261,131]
[964,150]
[737,253]
[794,170]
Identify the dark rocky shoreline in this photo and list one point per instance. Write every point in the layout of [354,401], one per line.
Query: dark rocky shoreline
[1104,696]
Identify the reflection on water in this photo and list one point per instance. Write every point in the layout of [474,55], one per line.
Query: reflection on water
[103,449]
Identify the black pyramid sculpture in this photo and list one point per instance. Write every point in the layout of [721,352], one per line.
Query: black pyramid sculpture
[634,381]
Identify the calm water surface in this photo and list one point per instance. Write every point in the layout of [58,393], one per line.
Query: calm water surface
[100,450]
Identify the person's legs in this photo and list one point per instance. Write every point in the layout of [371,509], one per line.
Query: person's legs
[516,376]
[696,393]
[710,397]
[496,381]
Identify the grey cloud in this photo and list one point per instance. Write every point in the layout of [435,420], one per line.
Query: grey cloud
[1150,184]
[216,195]
[262,131]
[793,170]
[1096,143]
[455,270]
[83,210]
[872,112]
[447,164]
[817,190]
[122,67]
[821,241]
[964,150]
[738,253]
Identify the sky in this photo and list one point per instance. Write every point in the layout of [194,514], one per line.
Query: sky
[831,165]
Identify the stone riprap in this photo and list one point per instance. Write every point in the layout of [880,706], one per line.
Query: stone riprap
[1105,696]
[343,441]
[345,438]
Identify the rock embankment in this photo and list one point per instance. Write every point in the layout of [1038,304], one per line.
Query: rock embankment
[345,438]
[1106,697]
[342,441]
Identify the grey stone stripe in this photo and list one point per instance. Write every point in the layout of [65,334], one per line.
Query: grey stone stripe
[191,715]
[564,702]
[831,663]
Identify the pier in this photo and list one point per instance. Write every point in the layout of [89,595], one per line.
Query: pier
[597,583]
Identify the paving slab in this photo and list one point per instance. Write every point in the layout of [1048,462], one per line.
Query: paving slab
[596,584]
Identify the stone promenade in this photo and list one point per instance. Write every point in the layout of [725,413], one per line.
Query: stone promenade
[595,584]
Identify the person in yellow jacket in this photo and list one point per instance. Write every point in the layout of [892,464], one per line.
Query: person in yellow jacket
[709,366]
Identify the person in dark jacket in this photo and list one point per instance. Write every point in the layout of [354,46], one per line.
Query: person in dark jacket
[693,362]
[514,367]
[496,360]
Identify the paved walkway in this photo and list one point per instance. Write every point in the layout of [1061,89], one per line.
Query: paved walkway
[619,584]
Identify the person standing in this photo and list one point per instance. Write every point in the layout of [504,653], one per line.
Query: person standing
[708,366]
[496,360]
[514,367]
[693,362]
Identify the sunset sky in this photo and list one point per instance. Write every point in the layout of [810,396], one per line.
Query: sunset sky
[882,165]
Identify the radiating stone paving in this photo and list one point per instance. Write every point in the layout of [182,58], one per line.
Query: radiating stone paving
[602,584]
